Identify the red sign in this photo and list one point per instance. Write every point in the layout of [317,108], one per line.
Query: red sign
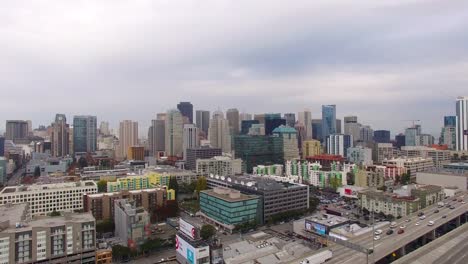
[348,191]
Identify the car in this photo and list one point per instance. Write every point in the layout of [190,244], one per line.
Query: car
[402,227]
[444,216]
[418,223]
[393,224]
[389,232]
[454,199]
[408,220]
[401,231]
[430,223]
[422,217]
[436,211]
[378,232]
[376,237]
[420,213]
[448,205]
[452,207]
[463,202]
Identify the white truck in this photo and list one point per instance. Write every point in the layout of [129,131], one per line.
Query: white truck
[440,204]
[318,258]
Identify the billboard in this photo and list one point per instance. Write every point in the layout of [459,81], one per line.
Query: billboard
[188,229]
[185,250]
[316,228]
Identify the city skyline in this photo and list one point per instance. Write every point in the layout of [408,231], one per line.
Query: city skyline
[376,60]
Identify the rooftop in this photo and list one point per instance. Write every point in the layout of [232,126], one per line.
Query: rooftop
[229,195]
[447,171]
[257,182]
[329,220]
[42,187]
[284,129]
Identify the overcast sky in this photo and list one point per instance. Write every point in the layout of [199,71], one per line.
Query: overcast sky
[384,61]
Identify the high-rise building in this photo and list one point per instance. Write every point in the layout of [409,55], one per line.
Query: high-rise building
[290,119]
[157,135]
[258,150]
[311,148]
[400,140]
[136,153]
[60,136]
[366,134]
[104,128]
[360,155]
[174,133]
[382,136]
[273,121]
[317,129]
[300,134]
[411,134]
[84,134]
[338,144]
[16,130]
[246,125]
[219,133]
[462,122]
[2,146]
[203,121]
[202,152]
[186,109]
[352,127]
[328,120]
[245,116]
[338,126]
[289,136]
[305,118]
[260,118]
[450,121]
[131,223]
[128,137]
[232,116]
[448,137]
[190,139]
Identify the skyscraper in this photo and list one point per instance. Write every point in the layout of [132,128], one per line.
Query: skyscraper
[462,122]
[84,134]
[273,121]
[366,134]
[246,124]
[128,137]
[245,116]
[328,120]
[232,115]
[338,144]
[382,136]
[60,136]
[338,126]
[203,120]
[186,109]
[2,146]
[156,135]
[411,134]
[317,129]
[290,119]
[16,130]
[400,140]
[352,127]
[174,133]
[289,136]
[104,128]
[450,121]
[190,138]
[219,133]
[305,118]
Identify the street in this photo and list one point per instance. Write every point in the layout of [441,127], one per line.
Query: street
[155,258]
[16,177]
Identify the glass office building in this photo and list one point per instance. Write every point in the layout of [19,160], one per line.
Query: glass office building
[258,150]
[328,120]
[84,134]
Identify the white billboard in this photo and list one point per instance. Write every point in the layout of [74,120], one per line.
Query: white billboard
[188,229]
[186,250]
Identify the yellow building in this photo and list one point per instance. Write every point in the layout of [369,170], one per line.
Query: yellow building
[360,178]
[104,256]
[311,148]
[148,181]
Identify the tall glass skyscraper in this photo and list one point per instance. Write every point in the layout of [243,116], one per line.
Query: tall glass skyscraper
[450,121]
[328,120]
[186,109]
[84,134]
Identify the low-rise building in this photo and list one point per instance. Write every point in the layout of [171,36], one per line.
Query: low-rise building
[202,152]
[132,224]
[164,172]
[46,198]
[101,205]
[61,239]
[444,178]
[227,208]
[219,165]
[139,182]
[383,151]
[412,165]
[360,155]
[274,170]
[311,148]
[104,256]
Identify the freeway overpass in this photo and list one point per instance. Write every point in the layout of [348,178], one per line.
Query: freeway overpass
[394,246]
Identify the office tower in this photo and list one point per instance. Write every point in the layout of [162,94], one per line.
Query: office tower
[84,134]
[202,152]
[400,140]
[424,140]
[338,126]
[328,120]
[462,123]
[257,129]
[382,136]
[360,155]
[156,136]
[219,133]
[273,121]
[2,146]
[300,134]
[338,144]
[317,129]
[16,130]
[190,139]
[161,116]
[246,125]
[258,150]
[448,137]
[128,137]
[290,119]
[411,134]
[174,133]
[450,121]
[245,116]
[3,170]
[305,118]
[60,136]
[366,134]
[232,116]
[260,118]
[289,136]
[104,128]
[186,109]
[352,127]
[203,120]
[311,148]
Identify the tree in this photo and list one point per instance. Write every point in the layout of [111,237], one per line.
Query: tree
[207,231]
[55,213]
[102,186]
[119,252]
[37,171]
[151,245]
[405,178]
[105,226]
[173,184]
[201,185]
[313,203]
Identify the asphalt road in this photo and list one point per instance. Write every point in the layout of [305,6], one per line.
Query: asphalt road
[15,178]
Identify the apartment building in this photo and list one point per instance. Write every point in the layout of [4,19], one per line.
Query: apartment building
[101,205]
[46,198]
[219,165]
[62,239]
[412,165]
[131,223]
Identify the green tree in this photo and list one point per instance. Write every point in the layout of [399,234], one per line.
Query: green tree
[405,178]
[102,186]
[201,185]
[37,171]
[207,231]
[105,226]
[173,184]
[151,245]
[54,213]
[119,252]
[313,203]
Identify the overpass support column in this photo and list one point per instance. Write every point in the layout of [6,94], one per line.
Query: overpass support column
[424,239]
[457,221]
[402,251]
[432,234]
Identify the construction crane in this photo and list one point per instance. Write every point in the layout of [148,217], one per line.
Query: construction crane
[412,121]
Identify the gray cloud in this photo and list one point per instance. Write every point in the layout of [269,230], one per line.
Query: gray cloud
[384,61]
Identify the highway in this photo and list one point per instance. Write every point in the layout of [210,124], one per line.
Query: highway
[389,243]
